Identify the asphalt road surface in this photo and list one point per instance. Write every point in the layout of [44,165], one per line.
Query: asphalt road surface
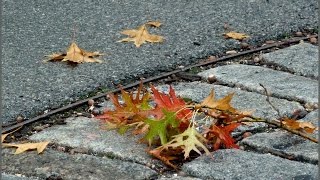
[192,30]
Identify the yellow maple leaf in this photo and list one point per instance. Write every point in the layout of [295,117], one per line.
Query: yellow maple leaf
[235,35]
[221,104]
[141,35]
[28,146]
[76,55]
[189,140]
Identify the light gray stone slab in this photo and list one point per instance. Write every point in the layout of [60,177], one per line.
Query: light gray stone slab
[302,59]
[233,164]
[279,84]
[5,176]
[242,100]
[57,165]
[82,132]
[285,143]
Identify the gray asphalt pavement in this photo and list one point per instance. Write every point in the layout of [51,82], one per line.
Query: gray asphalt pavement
[192,29]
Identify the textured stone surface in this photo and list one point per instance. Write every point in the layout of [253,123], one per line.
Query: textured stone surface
[237,164]
[86,133]
[5,176]
[287,144]
[53,164]
[302,59]
[279,84]
[241,100]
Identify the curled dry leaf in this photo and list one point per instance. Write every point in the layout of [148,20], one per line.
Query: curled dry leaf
[299,125]
[221,104]
[75,55]
[235,35]
[28,146]
[141,35]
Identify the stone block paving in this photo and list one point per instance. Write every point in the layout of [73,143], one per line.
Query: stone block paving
[265,155]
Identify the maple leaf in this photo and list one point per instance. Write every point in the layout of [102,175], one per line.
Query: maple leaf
[299,125]
[141,35]
[75,55]
[189,140]
[221,135]
[235,35]
[134,109]
[221,104]
[160,127]
[171,103]
[28,146]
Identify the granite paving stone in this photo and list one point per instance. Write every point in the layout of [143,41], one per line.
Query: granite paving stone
[57,165]
[5,176]
[233,164]
[286,143]
[242,100]
[279,84]
[87,133]
[302,59]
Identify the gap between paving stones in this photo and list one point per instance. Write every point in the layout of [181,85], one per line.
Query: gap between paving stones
[286,144]
[279,84]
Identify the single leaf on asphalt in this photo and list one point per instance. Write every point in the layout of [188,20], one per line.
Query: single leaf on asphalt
[28,146]
[75,55]
[235,35]
[141,35]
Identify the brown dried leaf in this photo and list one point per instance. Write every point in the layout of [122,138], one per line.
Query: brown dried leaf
[154,23]
[235,35]
[299,125]
[28,146]
[221,104]
[141,35]
[76,55]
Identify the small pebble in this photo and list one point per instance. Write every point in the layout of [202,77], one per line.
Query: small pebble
[313,40]
[256,59]
[38,128]
[90,102]
[299,34]
[231,52]
[244,45]
[212,58]
[19,119]
[61,148]
[270,42]
[246,134]
[212,79]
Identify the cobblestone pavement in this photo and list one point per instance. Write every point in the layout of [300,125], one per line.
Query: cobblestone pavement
[99,154]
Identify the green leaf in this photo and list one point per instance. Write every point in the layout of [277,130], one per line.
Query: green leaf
[159,127]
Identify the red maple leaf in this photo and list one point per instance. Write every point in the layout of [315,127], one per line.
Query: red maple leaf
[221,135]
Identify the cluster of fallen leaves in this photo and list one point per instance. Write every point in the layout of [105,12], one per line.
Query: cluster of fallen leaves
[40,146]
[169,126]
